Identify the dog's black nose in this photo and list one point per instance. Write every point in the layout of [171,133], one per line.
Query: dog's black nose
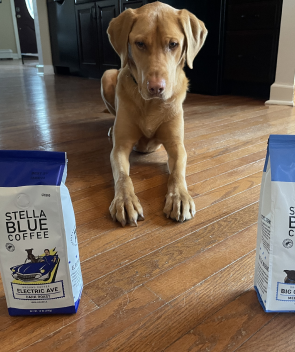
[156,86]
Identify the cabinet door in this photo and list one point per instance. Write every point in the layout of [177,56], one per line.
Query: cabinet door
[250,56]
[87,39]
[106,11]
[132,4]
[206,76]
[63,36]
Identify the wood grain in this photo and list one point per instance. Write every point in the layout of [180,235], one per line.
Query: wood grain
[18,332]
[227,329]
[100,325]
[149,266]
[188,274]
[273,337]
[167,324]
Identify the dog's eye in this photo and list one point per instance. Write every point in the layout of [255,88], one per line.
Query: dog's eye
[140,45]
[173,45]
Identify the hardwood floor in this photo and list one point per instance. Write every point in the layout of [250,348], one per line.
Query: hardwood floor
[162,286]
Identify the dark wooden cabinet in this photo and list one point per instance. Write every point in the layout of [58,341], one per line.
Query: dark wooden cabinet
[240,50]
[250,57]
[251,45]
[95,51]
[252,15]
[106,11]
[132,4]
[63,36]
[87,37]
[206,76]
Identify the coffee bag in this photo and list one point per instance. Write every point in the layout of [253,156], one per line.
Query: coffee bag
[39,257]
[275,254]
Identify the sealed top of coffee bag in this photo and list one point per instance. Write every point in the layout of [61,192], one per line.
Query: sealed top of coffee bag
[281,151]
[29,168]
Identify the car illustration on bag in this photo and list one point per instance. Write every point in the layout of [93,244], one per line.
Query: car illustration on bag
[37,268]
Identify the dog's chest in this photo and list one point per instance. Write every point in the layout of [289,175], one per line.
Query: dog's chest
[151,118]
[149,125]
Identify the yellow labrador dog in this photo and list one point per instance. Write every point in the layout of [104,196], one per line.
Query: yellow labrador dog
[146,96]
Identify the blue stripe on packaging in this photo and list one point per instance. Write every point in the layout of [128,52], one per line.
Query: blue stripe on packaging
[31,168]
[282,157]
[270,311]
[64,310]
[260,299]
[266,159]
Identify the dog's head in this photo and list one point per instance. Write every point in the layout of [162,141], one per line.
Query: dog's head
[290,274]
[155,41]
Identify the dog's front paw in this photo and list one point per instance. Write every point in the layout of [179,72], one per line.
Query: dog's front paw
[179,206]
[126,208]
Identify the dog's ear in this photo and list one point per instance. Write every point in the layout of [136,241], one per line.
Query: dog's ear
[118,32]
[195,33]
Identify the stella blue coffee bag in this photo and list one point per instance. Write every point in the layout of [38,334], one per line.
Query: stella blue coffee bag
[39,257]
[275,254]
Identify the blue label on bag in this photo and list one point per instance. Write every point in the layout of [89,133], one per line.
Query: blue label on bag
[282,157]
[31,168]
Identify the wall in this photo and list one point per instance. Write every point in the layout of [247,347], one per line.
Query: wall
[43,36]
[7,37]
[282,91]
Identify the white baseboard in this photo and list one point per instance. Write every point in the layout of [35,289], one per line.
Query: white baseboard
[48,70]
[281,94]
[45,70]
[8,54]
[279,102]
[40,69]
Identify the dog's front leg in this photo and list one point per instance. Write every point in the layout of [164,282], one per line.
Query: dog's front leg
[179,204]
[125,207]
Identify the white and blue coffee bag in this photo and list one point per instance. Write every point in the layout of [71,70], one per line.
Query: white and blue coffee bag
[275,254]
[39,257]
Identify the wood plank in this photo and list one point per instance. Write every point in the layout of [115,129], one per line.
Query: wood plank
[25,331]
[164,326]
[281,117]
[102,324]
[225,178]
[275,336]
[92,247]
[114,284]
[193,129]
[106,181]
[109,178]
[100,209]
[227,191]
[188,274]
[158,194]
[227,329]
[88,332]
[93,241]
[212,183]
[231,139]
[146,171]
[214,161]
[96,179]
